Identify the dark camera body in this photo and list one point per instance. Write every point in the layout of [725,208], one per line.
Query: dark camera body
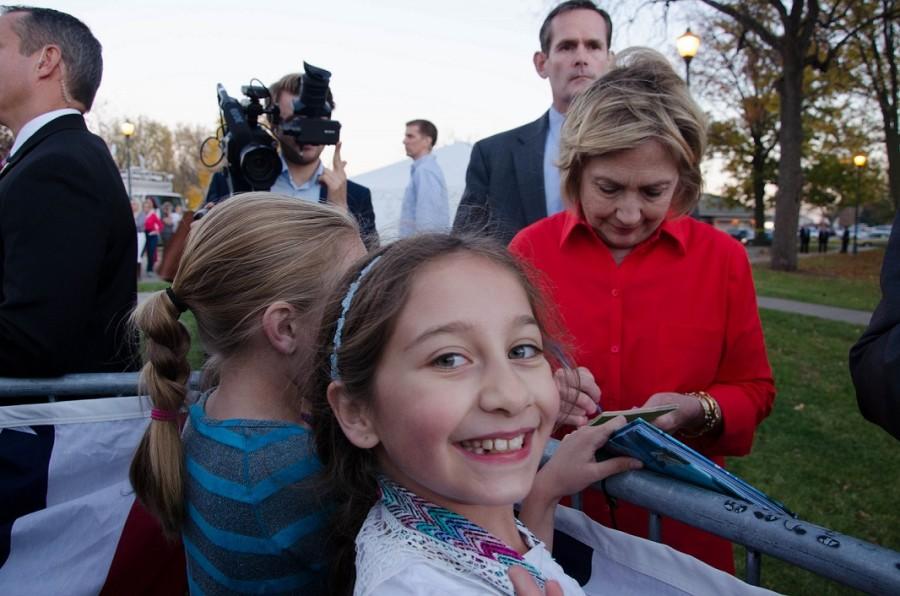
[252,150]
[313,132]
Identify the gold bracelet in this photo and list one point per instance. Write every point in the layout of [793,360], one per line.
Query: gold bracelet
[712,414]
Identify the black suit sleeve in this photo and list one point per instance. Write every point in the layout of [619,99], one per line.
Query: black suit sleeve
[218,188]
[53,249]
[473,214]
[359,202]
[875,359]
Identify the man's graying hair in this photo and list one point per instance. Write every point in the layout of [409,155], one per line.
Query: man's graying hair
[567,6]
[80,50]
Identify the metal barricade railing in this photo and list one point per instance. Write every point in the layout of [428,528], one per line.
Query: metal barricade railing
[839,557]
[86,384]
[842,558]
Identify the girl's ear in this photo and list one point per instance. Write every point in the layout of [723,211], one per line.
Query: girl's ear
[354,416]
[281,325]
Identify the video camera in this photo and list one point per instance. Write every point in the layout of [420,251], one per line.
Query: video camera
[311,123]
[252,149]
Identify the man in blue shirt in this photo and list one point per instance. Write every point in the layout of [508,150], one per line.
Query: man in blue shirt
[425,203]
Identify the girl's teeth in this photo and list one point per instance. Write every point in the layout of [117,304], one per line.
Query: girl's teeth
[480,447]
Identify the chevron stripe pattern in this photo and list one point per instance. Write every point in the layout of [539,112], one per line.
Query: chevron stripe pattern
[454,530]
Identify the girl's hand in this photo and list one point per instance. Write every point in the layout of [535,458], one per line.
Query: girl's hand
[571,469]
[579,396]
[526,586]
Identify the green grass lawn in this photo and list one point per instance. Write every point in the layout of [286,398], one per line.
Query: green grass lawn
[152,286]
[815,452]
[844,280]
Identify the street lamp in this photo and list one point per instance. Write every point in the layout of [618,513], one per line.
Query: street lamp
[127,129]
[859,160]
[688,43]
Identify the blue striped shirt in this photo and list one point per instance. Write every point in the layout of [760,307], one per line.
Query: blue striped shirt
[256,523]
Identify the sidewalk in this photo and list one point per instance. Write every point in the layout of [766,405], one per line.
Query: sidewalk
[844,315]
[760,254]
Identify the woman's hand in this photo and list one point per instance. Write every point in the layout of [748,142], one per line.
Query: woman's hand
[335,180]
[525,585]
[579,396]
[688,416]
[571,469]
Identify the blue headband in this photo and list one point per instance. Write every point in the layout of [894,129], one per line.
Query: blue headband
[345,306]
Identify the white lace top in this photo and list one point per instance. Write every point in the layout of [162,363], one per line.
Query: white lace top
[392,560]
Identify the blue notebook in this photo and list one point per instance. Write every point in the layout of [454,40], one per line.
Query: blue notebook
[664,454]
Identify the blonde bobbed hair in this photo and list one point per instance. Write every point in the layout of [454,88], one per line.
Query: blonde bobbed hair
[247,253]
[641,99]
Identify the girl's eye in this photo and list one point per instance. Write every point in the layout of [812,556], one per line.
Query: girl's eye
[524,351]
[608,190]
[449,361]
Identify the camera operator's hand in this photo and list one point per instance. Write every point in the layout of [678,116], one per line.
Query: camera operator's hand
[336,180]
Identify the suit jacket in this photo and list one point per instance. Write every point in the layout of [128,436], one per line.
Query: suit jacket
[505,182]
[359,202]
[67,257]
[875,359]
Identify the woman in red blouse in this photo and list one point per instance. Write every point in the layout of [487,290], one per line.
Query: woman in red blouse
[661,308]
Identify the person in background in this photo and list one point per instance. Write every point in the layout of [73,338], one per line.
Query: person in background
[303,175]
[661,307]
[426,207]
[67,238]
[239,483]
[153,228]
[513,179]
[139,217]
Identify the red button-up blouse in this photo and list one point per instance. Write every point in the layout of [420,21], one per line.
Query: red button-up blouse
[678,314]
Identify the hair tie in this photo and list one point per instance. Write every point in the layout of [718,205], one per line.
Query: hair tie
[176,301]
[164,415]
[345,306]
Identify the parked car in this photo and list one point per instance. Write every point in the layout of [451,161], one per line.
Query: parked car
[880,232]
[742,235]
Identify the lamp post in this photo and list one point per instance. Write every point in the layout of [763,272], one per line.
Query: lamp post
[688,43]
[859,160]
[128,131]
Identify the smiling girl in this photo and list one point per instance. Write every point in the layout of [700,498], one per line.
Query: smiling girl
[431,413]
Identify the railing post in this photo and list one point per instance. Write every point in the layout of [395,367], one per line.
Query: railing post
[654,529]
[754,567]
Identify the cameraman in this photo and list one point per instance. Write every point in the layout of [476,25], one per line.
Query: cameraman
[303,175]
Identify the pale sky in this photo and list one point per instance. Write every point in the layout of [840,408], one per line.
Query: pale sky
[463,64]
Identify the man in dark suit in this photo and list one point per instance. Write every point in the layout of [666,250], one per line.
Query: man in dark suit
[303,175]
[512,180]
[875,359]
[67,236]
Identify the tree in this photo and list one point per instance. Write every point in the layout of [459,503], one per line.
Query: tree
[803,35]
[156,147]
[737,76]
[876,47]
[151,144]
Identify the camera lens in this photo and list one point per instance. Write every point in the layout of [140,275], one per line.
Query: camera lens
[260,165]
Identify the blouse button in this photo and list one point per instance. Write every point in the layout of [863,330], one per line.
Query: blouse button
[616,292]
[614,349]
